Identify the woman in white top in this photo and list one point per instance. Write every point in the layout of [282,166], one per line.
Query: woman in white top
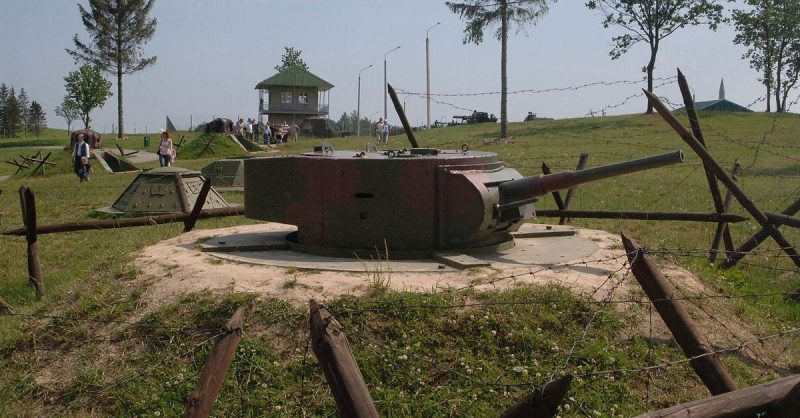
[165,151]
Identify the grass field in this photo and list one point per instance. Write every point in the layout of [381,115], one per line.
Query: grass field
[97,346]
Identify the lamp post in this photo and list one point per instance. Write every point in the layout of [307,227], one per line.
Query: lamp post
[428,69]
[358,109]
[386,83]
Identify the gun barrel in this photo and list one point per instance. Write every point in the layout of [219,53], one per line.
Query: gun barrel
[527,187]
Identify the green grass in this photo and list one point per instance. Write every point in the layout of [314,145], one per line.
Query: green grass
[421,354]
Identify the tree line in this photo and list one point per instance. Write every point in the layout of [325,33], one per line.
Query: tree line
[18,114]
[769,29]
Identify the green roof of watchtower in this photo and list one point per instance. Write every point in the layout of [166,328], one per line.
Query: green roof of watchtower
[294,77]
[164,190]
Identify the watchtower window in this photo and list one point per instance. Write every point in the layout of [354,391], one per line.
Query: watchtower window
[302,98]
[286,97]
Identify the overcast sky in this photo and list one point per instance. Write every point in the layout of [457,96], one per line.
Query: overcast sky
[212,53]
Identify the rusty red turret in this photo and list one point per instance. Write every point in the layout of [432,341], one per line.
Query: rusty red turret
[415,202]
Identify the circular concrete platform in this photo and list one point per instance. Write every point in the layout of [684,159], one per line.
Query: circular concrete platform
[534,245]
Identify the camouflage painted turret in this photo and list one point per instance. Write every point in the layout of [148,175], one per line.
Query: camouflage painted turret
[414,202]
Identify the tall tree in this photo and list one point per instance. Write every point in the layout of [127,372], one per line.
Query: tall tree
[770,29]
[87,90]
[118,30]
[650,21]
[36,118]
[69,111]
[291,58]
[12,114]
[3,101]
[22,101]
[482,14]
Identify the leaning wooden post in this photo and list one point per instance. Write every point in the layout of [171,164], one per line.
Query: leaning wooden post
[740,196]
[332,350]
[770,399]
[182,197]
[756,239]
[6,307]
[200,402]
[713,186]
[571,191]
[188,223]
[680,324]
[541,403]
[28,203]
[556,193]
[723,229]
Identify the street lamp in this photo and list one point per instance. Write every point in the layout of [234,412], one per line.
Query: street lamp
[358,109]
[386,83]
[428,69]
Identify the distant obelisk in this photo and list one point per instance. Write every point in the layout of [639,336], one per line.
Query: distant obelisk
[722,89]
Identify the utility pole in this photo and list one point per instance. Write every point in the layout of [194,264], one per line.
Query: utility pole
[428,69]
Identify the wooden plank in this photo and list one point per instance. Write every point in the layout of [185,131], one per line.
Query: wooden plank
[542,403]
[182,197]
[658,290]
[768,400]
[126,222]
[200,402]
[332,350]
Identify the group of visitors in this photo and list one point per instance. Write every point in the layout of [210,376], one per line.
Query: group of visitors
[80,158]
[274,134]
[382,130]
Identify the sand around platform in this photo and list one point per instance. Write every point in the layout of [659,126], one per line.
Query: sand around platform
[175,267]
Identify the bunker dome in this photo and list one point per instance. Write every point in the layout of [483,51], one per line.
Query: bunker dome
[164,190]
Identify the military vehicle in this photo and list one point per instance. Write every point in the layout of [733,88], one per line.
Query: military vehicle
[475,117]
[411,203]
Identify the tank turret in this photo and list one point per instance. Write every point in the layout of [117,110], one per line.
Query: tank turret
[414,202]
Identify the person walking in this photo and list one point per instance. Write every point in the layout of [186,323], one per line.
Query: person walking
[379,129]
[80,158]
[165,151]
[295,130]
[385,132]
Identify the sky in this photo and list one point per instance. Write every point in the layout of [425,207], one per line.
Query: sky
[212,53]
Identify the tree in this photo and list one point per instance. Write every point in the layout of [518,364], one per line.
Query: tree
[11,114]
[481,14]
[3,101]
[69,111]
[86,90]
[22,101]
[650,21]
[291,58]
[771,33]
[118,30]
[36,118]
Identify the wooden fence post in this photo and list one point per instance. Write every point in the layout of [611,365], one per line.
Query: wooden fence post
[713,186]
[188,223]
[27,202]
[571,191]
[541,403]
[332,350]
[556,193]
[200,402]
[6,307]
[769,400]
[723,229]
[658,290]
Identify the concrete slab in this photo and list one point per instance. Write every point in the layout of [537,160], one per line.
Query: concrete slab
[460,261]
[267,247]
[140,157]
